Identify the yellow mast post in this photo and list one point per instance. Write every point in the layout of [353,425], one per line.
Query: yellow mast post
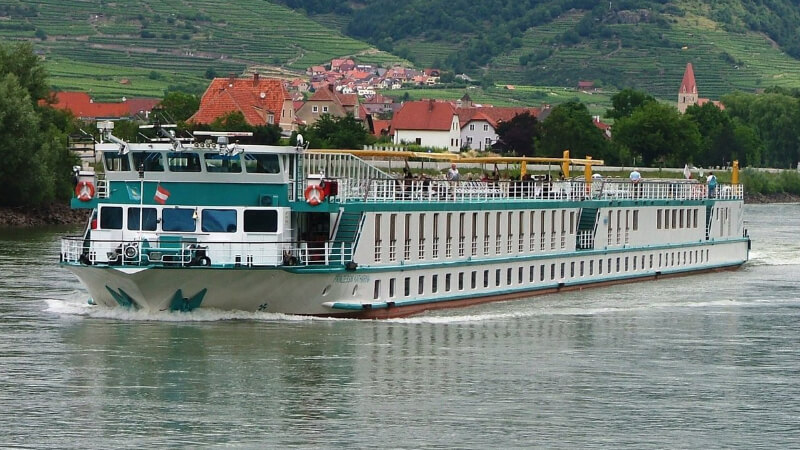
[587,170]
[565,164]
[735,173]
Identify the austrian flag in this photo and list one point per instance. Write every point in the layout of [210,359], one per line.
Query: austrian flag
[161,195]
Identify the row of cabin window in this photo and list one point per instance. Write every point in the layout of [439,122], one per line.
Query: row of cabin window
[183,219]
[190,162]
[524,218]
[666,259]
[676,218]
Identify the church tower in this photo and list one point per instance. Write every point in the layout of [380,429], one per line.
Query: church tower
[687,94]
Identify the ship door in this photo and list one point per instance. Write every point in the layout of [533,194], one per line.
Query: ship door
[315,229]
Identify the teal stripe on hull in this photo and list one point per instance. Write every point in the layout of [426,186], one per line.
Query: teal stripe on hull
[538,287]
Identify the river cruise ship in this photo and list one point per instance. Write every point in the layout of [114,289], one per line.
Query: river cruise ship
[214,224]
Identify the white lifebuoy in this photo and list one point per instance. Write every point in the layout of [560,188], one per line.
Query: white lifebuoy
[84,190]
[314,195]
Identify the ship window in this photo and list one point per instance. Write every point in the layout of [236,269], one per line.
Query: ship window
[434,283]
[635,220]
[178,219]
[217,163]
[520,275]
[447,278]
[485,278]
[532,275]
[572,269]
[508,276]
[474,280]
[391,287]
[150,161]
[563,270]
[148,220]
[552,271]
[377,292]
[261,221]
[116,162]
[658,219]
[111,218]
[541,272]
[421,287]
[461,281]
[183,162]
[219,220]
[407,286]
[255,163]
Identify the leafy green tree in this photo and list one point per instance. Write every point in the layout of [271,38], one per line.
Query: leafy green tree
[658,133]
[570,127]
[519,134]
[774,118]
[37,165]
[336,132]
[626,101]
[723,139]
[20,60]
[176,107]
[233,121]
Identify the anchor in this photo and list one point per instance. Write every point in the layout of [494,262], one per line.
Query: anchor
[186,304]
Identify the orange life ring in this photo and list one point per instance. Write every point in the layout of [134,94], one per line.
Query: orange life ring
[84,190]
[314,195]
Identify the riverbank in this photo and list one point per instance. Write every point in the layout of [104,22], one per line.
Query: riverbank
[54,214]
[780,197]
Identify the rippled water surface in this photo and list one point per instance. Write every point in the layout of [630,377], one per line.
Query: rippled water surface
[707,361]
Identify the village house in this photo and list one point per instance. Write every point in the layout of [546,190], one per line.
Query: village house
[327,100]
[262,101]
[84,107]
[428,123]
[687,93]
[379,104]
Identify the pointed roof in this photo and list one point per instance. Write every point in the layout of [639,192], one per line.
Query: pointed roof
[424,115]
[253,97]
[688,85]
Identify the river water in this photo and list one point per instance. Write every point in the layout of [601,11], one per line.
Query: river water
[707,361]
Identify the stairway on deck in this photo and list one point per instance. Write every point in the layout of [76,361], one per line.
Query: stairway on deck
[346,233]
[586,227]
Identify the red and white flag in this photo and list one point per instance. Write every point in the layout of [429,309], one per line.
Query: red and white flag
[161,195]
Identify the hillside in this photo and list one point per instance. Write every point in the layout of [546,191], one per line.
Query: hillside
[139,48]
[127,47]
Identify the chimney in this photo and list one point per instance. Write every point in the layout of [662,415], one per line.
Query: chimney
[255,78]
[231,79]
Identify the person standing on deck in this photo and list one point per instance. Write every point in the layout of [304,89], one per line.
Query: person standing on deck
[712,184]
[452,173]
[636,179]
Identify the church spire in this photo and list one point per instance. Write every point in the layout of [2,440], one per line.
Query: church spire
[688,85]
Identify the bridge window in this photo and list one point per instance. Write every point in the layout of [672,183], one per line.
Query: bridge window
[148,220]
[255,163]
[261,221]
[149,161]
[183,162]
[178,219]
[217,163]
[219,220]
[116,162]
[111,218]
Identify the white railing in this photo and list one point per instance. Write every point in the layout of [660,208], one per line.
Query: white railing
[392,190]
[76,249]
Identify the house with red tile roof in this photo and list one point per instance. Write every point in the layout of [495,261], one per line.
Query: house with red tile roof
[84,107]
[262,101]
[687,93]
[429,123]
[326,100]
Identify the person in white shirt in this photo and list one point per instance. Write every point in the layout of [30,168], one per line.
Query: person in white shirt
[452,173]
[636,177]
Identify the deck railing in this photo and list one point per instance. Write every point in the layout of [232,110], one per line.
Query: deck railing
[392,190]
[189,252]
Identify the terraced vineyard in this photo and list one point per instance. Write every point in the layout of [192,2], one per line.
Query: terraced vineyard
[155,44]
[723,62]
